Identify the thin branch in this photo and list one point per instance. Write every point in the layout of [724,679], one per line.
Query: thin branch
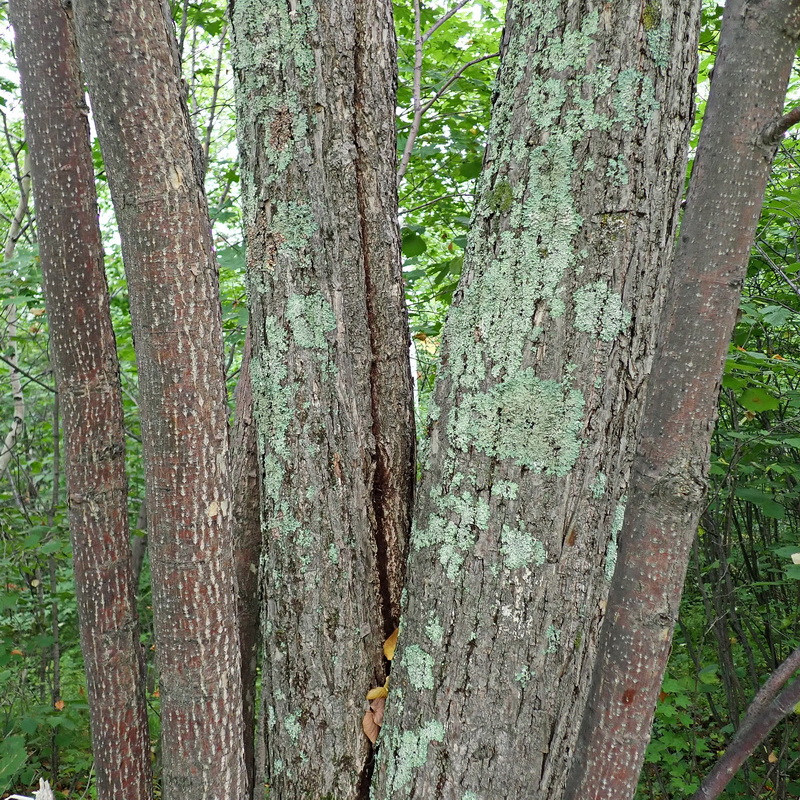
[431,202]
[26,374]
[765,712]
[459,72]
[776,268]
[417,94]
[439,22]
[420,110]
[209,128]
[773,133]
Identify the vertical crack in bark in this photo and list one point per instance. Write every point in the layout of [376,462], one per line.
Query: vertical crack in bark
[382,487]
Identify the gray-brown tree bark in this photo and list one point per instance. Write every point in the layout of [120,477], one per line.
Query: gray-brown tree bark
[131,64]
[538,398]
[758,42]
[87,375]
[330,374]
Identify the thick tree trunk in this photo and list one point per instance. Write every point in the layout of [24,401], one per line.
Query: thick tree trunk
[152,158]
[330,374]
[757,46]
[87,374]
[538,398]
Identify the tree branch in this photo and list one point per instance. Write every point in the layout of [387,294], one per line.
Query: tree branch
[419,110]
[439,22]
[773,133]
[764,713]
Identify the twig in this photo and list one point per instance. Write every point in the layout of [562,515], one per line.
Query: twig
[26,374]
[439,22]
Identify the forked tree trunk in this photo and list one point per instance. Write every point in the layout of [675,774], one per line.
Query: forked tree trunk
[758,43]
[87,375]
[538,397]
[152,159]
[330,374]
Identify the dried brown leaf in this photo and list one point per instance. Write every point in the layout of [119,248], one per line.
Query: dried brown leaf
[370,727]
[378,705]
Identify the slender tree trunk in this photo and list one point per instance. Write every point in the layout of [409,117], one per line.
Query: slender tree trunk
[87,374]
[330,373]
[538,397]
[758,42]
[153,162]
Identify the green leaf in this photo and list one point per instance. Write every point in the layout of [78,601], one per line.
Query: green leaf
[413,244]
[758,400]
[12,758]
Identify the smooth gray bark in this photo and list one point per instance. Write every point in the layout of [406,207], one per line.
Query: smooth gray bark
[538,397]
[330,375]
[155,174]
[89,397]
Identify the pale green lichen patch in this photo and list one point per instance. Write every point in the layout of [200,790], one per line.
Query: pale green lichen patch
[419,666]
[292,725]
[293,225]
[520,549]
[531,421]
[599,485]
[659,40]
[333,554]
[505,489]
[612,547]
[599,311]
[433,628]
[454,529]
[270,42]
[617,171]
[409,752]
[310,318]
[273,399]
[553,635]
[523,676]
[634,99]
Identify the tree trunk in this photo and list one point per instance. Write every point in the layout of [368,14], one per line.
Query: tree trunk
[153,163]
[538,398]
[87,374]
[758,42]
[330,374]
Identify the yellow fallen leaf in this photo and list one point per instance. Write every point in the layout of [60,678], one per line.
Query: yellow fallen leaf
[390,645]
[379,691]
[772,758]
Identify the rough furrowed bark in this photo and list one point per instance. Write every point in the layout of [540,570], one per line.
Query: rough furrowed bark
[757,45]
[87,375]
[330,373]
[151,156]
[538,397]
